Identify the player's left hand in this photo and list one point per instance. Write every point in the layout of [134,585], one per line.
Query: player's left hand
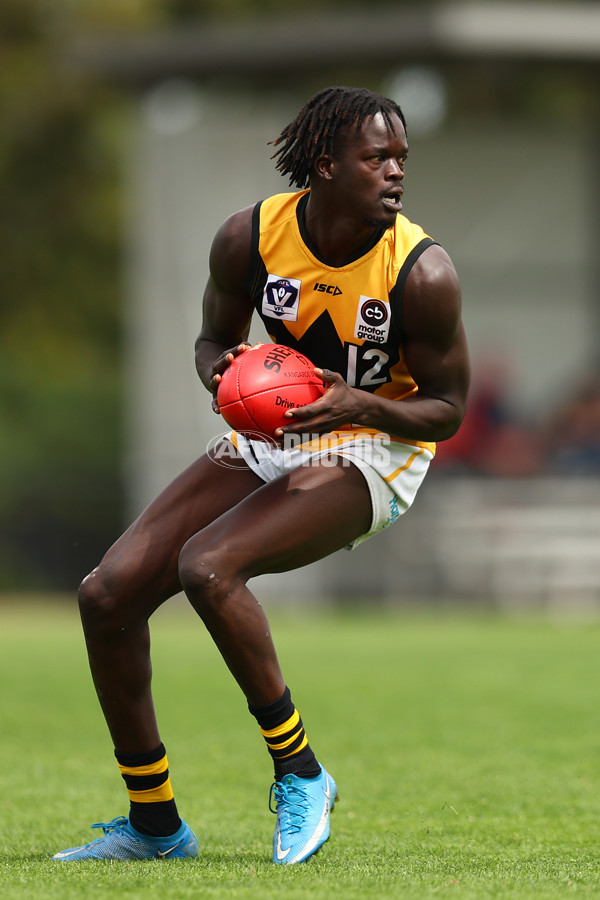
[338,406]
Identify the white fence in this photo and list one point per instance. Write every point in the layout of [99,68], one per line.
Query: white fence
[501,543]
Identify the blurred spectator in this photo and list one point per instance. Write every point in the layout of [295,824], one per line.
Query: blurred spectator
[492,439]
[572,434]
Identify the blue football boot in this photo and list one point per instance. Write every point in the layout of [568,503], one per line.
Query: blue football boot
[122,841]
[303,807]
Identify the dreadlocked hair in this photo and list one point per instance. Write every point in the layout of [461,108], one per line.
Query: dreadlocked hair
[313,131]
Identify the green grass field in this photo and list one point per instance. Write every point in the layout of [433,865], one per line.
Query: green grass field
[465,751]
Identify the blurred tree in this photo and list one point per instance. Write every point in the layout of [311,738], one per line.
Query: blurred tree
[60,495]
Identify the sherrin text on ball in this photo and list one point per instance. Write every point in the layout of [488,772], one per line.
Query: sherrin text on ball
[261,384]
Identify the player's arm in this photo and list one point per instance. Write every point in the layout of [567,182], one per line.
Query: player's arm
[435,352]
[227,308]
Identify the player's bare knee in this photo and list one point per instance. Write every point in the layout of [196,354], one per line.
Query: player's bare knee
[98,604]
[205,582]
[89,595]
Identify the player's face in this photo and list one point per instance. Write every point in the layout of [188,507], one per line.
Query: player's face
[369,170]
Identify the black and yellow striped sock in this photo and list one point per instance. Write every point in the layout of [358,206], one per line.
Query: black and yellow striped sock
[283,731]
[152,805]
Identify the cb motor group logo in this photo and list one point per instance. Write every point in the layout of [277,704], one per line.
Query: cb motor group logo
[372,320]
[281,297]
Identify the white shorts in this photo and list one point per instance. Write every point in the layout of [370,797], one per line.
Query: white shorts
[393,471]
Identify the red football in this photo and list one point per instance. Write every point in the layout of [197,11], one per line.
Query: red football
[261,384]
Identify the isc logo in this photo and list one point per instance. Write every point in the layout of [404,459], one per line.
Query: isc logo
[327,288]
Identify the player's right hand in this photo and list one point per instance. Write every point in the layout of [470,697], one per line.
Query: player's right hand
[219,366]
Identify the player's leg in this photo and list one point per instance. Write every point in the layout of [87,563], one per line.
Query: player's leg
[134,578]
[138,574]
[286,524]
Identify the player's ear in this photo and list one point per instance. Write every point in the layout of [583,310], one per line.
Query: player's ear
[324,167]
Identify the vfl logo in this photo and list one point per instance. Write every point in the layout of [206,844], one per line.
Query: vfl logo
[281,297]
[372,320]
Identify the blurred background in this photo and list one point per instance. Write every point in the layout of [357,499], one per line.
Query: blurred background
[130,129]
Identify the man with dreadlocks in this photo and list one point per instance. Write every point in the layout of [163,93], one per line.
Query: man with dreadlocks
[375,304]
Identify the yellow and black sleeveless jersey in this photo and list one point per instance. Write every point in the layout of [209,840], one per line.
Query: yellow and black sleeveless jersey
[346,318]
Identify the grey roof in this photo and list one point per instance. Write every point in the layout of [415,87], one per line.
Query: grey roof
[374,35]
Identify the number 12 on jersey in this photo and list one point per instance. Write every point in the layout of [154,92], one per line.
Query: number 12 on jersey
[371,377]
